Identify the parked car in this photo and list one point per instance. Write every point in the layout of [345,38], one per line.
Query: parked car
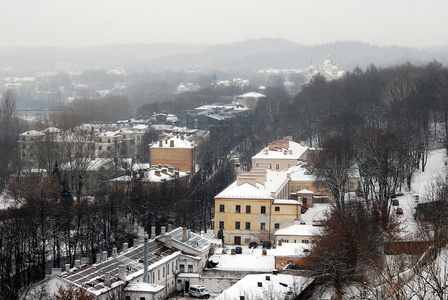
[198,291]
[399,211]
[395,202]
[238,250]
[303,210]
[267,245]
[253,245]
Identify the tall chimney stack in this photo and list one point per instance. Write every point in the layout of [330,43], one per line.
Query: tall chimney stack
[145,262]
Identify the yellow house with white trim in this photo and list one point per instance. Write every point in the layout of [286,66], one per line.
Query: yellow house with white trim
[253,207]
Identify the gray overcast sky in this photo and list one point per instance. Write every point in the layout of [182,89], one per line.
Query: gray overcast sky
[80,23]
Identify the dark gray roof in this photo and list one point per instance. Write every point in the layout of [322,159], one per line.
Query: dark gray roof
[195,241]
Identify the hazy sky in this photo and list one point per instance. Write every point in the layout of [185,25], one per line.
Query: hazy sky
[415,23]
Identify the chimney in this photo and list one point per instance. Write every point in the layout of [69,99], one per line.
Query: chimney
[141,234]
[114,252]
[164,170]
[302,143]
[184,234]
[170,227]
[125,247]
[163,230]
[98,258]
[168,242]
[107,280]
[153,232]
[160,143]
[122,272]
[78,262]
[171,169]
[56,271]
[104,256]
[189,234]
[157,172]
[145,262]
[67,267]
[172,143]
[135,243]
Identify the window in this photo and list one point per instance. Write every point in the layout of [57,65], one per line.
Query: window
[277,208]
[238,208]
[221,208]
[108,140]
[307,187]
[305,241]
[158,274]
[289,166]
[351,186]
[153,277]
[142,298]
[167,269]
[277,225]
[262,226]
[317,188]
[247,225]
[163,272]
[124,136]
[247,240]
[109,148]
[237,225]
[181,268]
[298,188]
[190,268]
[247,209]
[127,298]
[277,166]
[270,166]
[263,210]
[221,224]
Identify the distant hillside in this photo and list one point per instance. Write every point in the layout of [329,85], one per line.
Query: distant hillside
[249,55]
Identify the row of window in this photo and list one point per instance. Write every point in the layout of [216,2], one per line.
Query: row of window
[277,166]
[222,208]
[248,226]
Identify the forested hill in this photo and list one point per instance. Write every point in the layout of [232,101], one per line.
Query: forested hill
[246,55]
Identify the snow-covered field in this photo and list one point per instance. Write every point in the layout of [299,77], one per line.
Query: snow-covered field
[435,169]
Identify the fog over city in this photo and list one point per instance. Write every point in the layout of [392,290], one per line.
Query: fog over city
[409,23]
[223,149]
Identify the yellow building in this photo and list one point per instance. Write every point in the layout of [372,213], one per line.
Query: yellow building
[253,207]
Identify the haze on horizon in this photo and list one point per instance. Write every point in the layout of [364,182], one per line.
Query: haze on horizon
[70,23]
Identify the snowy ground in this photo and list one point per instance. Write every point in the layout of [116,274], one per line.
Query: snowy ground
[435,168]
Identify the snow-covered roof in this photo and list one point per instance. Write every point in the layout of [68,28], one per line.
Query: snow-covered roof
[300,173]
[286,201]
[275,182]
[177,143]
[294,151]
[32,133]
[251,95]
[291,250]
[143,287]
[255,262]
[300,230]
[276,288]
